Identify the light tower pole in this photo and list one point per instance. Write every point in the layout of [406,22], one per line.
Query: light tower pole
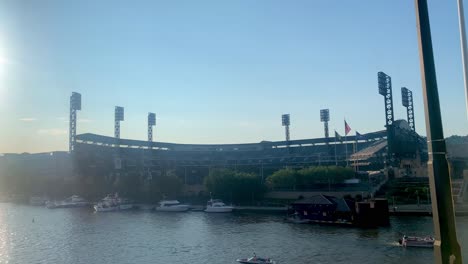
[119,116]
[407,101]
[385,89]
[446,247]
[286,122]
[151,123]
[75,105]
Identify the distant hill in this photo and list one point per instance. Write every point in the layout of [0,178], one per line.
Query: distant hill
[457,139]
[457,146]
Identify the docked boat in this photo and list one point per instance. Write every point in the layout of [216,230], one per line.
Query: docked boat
[255,260]
[113,203]
[171,206]
[296,219]
[70,202]
[38,200]
[411,241]
[217,206]
[108,204]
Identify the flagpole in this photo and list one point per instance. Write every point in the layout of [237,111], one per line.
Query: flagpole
[346,145]
[336,159]
[461,20]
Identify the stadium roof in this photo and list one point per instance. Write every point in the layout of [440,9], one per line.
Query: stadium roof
[89,138]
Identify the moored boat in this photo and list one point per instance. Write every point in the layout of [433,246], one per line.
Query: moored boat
[412,241]
[113,203]
[217,206]
[256,260]
[296,219]
[70,202]
[171,206]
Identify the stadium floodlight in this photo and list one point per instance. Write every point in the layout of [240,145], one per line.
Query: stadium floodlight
[119,116]
[285,120]
[325,117]
[75,105]
[119,113]
[75,101]
[151,123]
[407,101]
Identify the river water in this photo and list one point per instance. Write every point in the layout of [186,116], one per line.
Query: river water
[82,236]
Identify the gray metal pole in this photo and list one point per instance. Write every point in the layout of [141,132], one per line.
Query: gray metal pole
[446,246]
[464,52]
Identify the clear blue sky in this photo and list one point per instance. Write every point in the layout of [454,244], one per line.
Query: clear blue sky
[215,71]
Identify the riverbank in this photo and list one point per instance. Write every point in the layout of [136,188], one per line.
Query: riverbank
[424,209]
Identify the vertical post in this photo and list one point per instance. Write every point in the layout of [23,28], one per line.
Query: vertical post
[336,158]
[461,19]
[446,246]
[346,149]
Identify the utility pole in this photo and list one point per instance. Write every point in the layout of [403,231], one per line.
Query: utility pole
[446,247]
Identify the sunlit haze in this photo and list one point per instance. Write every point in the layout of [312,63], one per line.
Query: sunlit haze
[215,71]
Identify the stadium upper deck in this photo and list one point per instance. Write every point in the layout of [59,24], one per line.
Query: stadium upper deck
[94,139]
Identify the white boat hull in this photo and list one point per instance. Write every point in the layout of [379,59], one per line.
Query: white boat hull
[105,209]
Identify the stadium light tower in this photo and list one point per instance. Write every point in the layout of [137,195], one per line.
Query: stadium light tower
[286,122]
[325,117]
[407,101]
[385,89]
[75,105]
[119,116]
[151,123]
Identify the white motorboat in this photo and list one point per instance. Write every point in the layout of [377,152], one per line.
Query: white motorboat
[171,206]
[113,203]
[38,200]
[70,202]
[296,219]
[217,206]
[255,260]
[411,241]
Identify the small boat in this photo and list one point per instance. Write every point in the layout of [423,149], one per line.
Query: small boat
[296,219]
[71,202]
[217,206]
[113,203]
[412,241]
[171,206]
[255,260]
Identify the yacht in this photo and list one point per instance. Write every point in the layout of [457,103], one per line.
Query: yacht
[108,204]
[217,206]
[411,241]
[113,203]
[171,206]
[73,201]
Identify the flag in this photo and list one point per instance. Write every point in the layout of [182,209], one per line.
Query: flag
[347,128]
[338,137]
[359,136]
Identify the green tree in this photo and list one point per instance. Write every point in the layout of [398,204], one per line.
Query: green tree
[237,187]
